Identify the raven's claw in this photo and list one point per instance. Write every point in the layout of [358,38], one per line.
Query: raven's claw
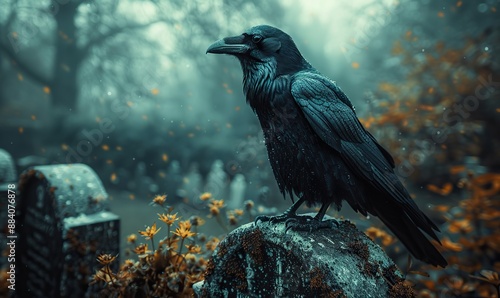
[298,222]
[275,219]
[309,224]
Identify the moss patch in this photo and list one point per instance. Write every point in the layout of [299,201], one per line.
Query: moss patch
[360,249]
[252,245]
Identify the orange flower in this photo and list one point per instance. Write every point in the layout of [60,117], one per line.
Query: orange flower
[205,196]
[214,210]
[131,238]
[183,232]
[150,232]
[232,220]
[106,259]
[169,219]
[215,206]
[249,204]
[160,200]
[196,221]
[127,264]
[193,249]
[186,224]
[103,275]
[238,212]
[217,203]
[142,249]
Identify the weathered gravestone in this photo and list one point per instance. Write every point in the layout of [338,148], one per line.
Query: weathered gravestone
[7,177]
[265,261]
[64,224]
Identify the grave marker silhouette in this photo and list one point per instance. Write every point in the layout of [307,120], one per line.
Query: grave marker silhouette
[64,224]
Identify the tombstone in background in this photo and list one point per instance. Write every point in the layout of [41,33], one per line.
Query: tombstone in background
[63,225]
[217,181]
[237,192]
[142,185]
[174,180]
[191,184]
[7,176]
[31,161]
[255,182]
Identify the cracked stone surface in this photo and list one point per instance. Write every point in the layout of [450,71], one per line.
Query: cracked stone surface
[263,261]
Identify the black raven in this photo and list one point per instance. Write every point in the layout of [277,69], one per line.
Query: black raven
[317,147]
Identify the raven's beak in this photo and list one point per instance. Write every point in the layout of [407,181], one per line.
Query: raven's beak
[229,45]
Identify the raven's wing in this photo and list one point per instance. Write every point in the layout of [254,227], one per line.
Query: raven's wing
[333,119]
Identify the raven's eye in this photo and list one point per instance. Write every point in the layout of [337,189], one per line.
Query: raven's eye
[256,38]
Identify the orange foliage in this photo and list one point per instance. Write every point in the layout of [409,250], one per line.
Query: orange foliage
[444,191]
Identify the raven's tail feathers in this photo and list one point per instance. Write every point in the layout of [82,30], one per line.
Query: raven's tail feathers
[410,234]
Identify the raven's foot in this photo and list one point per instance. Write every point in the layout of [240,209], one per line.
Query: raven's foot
[276,218]
[289,213]
[309,223]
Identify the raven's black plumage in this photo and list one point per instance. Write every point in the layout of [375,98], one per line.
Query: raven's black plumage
[317,147]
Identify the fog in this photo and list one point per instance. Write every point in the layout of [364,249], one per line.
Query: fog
[125,87]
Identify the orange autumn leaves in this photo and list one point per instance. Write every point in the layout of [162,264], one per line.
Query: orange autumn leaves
[474,225]
[470,238]
[444,190]
[376,233]
[417,107]
[482,186]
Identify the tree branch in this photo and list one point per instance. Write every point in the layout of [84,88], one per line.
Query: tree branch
[113,32]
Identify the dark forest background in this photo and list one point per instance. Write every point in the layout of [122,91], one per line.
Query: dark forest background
[125,87]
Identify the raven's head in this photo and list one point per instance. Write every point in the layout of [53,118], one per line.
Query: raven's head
[263,45]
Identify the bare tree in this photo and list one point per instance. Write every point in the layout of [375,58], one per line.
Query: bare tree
[72,32]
